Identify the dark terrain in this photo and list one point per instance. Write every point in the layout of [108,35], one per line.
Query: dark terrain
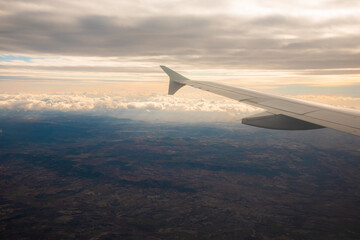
[72,176]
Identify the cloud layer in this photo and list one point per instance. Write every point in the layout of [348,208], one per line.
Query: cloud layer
[209,34]
[156,103]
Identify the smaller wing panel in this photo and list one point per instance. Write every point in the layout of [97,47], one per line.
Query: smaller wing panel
[289,106]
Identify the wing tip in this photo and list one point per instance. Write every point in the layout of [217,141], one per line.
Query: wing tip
[175,80]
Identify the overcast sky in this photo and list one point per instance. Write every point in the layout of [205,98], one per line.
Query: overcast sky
[48,45]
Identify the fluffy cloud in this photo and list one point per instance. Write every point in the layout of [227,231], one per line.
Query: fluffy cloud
[45,102]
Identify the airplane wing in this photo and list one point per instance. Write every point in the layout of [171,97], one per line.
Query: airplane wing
[282,113]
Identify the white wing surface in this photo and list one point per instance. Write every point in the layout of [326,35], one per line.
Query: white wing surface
[282,112]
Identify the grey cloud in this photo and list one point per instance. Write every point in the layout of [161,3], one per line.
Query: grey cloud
[212,41]
[349,42]
[97,35]
[279,21]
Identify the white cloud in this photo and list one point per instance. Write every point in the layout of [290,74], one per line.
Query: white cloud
[157,104]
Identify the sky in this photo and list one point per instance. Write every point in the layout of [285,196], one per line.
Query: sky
[95,55]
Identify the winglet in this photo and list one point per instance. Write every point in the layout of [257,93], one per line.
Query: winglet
[176,81]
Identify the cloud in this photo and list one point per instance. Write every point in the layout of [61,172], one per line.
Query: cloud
[85,103]
[216,39]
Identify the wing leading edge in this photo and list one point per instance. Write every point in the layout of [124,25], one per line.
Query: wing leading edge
[282,112]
